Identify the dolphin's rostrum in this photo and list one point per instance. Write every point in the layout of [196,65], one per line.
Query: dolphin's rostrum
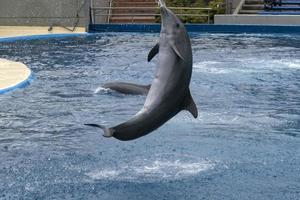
[169,92]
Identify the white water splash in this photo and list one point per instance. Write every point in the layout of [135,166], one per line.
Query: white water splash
[211,67]
[206,66]
[101,89]
[286,63]
[172,169]
[103,174]
[156,169]
[247,65]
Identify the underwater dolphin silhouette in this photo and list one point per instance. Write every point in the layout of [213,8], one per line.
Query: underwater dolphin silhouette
[169,92]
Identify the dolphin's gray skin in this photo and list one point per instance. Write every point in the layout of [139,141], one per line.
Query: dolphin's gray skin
[128,88]
[169,92]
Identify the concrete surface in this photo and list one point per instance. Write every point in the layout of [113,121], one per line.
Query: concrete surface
[258,19]
[230,5]
[100,3]
[44,12]
[13,31]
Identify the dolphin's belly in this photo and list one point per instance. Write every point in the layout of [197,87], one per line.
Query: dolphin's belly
[145,121]
[164,100]
[171,79]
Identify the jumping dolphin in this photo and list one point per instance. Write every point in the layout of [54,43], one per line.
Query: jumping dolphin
[169,92]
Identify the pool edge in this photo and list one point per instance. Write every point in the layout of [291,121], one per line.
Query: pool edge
[40,36]
[200,28]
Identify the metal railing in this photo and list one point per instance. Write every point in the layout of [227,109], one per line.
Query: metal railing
[133,12]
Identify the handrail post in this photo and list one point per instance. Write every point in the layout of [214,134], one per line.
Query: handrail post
[90,12]
[239,7]
[109,11]
[94,15]
[90,16]
[208,17]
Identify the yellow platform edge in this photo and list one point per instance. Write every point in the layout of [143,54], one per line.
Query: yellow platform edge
[13,75]
[16,31]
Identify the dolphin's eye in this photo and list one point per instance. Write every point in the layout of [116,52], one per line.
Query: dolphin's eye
[177,25]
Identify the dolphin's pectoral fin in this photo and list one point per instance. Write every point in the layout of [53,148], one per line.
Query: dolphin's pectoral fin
[128,88]
[147,87]
[153,52]
[190,105]
[107,131]
[177,50]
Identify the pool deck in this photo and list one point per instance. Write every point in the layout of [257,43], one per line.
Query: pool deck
[16,31]
[15,75]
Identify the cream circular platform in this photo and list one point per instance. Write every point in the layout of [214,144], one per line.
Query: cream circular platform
[13,75]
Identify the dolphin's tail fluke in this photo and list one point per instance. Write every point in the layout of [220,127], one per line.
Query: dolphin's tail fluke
[107,131]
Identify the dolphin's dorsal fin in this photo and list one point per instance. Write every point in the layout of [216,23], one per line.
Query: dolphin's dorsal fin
[153,52]
[190,105]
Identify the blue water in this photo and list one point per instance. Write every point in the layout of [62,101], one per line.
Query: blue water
[245,143]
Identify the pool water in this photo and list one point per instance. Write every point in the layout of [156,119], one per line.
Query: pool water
[245,144]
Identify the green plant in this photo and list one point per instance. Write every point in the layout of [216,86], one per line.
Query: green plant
[217,6]
[187,3]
